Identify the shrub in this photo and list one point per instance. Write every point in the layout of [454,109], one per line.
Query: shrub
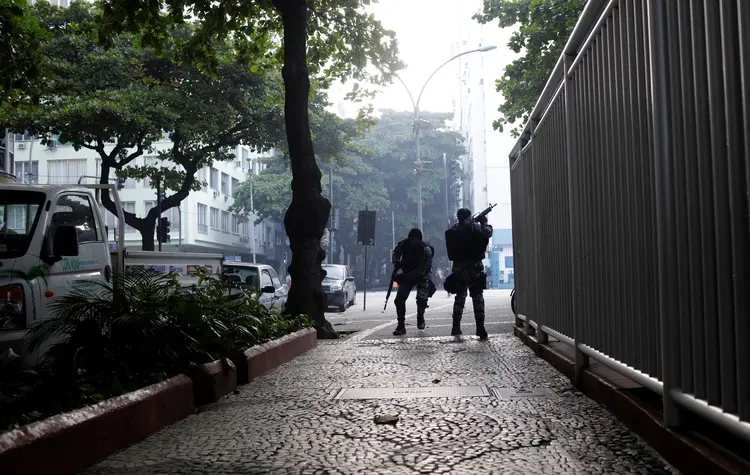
[104,342]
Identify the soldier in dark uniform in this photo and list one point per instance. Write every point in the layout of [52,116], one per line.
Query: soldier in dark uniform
[467,242]
[412,257]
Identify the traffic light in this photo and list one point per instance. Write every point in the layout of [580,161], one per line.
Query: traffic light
[120,183]
[162,230]
[162,196]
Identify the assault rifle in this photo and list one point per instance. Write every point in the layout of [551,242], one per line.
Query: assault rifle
[484,213]
[390,287]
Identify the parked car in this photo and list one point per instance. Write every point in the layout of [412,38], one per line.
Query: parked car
[339,286]
[257,278]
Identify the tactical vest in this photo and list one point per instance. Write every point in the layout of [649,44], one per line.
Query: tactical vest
[465,243]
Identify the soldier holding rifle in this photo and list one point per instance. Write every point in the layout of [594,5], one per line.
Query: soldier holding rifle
[412,264]
[466,243]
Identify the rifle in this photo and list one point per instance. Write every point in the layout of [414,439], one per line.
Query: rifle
[484,213]
[390,288]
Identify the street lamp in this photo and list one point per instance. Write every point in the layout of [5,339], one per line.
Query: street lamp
[419,169]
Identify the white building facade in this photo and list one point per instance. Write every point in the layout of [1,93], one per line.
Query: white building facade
[485,165]
[202,223]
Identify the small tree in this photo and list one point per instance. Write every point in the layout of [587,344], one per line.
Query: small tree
[131,95]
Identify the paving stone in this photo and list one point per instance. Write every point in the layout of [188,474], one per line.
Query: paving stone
[288,422]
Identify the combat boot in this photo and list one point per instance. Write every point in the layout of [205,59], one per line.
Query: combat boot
[456,330]
[421,307]
[481,331]
[400,329]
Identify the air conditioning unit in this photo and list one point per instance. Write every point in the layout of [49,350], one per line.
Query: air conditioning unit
[21,146]
[216,194]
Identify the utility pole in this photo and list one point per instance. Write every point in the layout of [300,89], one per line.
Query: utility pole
[158,206]
[251,222]
[447,210]
[330,217]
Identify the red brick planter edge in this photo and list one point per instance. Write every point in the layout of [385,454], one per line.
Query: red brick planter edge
[261,359]
[68,443]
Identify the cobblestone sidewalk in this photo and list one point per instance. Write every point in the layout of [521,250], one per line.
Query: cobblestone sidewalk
[290,422]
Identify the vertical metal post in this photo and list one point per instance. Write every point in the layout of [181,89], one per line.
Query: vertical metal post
[665,205]
[393,230]
[6,155]
[364,296]
[581,360]
[419,170]
[447,209]
[330,218]
[541,335]
[252,212]
[158,206]
[179,242]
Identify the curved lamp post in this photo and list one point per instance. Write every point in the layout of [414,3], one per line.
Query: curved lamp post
[419,169]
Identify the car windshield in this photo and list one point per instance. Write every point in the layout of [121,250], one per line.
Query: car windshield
[336,273]
[19,213]
[242,275]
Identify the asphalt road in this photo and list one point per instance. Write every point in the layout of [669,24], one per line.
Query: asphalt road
[499,317]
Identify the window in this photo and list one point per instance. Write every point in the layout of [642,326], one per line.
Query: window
[24,137]
[149,161]
[225,221]
[508,262]
[202,211]
[129,183]
[129,206]
[21,208]
[66,171]
[214,178]
[75,210]
[225,184]
[247,275]
[110,219]
[214,218]
[172,214]
[245,156]
[275,279]
[265,279]
[235,185]
[26,173]
[235,224]
[201,177]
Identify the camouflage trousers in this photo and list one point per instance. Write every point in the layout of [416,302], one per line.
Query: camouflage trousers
[402,294]
[469,275]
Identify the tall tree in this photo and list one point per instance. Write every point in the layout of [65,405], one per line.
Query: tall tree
[22,38]
[118,101]
[338,36]
[543,29]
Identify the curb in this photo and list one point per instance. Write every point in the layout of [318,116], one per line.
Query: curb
[70,442]
[212,381]
[687,454]
[261,359]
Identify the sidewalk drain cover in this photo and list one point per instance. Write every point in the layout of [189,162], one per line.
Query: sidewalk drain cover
[412,393]
[514,394]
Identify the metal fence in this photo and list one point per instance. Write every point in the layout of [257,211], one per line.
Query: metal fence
[630,188]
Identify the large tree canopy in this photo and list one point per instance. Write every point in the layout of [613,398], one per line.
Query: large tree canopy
[377,173]
[118,101]
[21,38]
[320,39]
[543,28]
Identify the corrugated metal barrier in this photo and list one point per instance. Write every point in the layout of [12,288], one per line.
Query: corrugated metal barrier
[631,189]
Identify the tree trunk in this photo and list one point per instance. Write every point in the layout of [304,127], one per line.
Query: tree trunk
[308,213]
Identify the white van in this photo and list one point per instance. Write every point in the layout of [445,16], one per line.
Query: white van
[52,236]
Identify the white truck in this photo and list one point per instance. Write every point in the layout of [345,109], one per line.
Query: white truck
[54,235]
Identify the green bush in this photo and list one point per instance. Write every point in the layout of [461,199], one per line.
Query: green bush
[105,343]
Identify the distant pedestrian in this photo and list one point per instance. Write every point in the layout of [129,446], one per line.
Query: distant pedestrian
[412,258]
[466,243]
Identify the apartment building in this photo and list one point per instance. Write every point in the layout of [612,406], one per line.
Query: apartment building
[202,223]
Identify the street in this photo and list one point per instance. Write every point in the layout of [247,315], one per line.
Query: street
[437,317]
[456,405]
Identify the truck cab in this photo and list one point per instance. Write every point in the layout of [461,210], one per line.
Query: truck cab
[50,238]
